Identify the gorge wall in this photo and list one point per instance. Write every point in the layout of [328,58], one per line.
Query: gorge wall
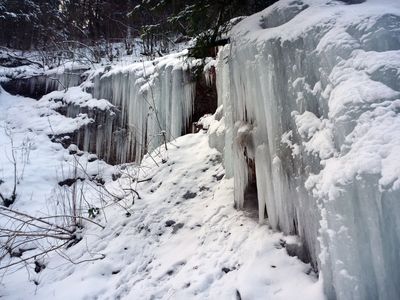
[141,106]
[158,101]
[310,97]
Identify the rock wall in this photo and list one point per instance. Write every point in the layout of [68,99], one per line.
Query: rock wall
[157,100]
[310,98]
[39,85]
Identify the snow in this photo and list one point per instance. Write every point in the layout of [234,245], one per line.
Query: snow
[33,116]
[41,163]
[75,96]
[155,97]
[310,95]
[182,239]
[17,72]
[316,134]
[287,140]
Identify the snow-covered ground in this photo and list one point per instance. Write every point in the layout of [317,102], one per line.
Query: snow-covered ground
[25,127]
[182,240]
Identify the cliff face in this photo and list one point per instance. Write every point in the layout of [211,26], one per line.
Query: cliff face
[158,100]
[37,85]
[310,96]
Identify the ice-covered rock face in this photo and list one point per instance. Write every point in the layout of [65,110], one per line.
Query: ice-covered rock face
[155,99]
[102,133]
[137,107]
[311,95]
[37,86]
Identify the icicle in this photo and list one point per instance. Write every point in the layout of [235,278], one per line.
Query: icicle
[155,98]
[333,181]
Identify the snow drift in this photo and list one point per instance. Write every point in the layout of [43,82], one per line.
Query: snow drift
[311,95]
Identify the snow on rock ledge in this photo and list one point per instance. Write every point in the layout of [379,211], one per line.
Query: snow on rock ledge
[30,82]
[311,97]
[102,135]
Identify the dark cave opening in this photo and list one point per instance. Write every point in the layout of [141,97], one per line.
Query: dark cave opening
[250,204]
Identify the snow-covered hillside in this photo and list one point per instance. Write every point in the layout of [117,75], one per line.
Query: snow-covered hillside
[181,240]
[299,159]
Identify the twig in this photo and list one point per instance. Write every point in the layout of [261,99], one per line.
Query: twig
[34,218]
[77,217]
[34,256]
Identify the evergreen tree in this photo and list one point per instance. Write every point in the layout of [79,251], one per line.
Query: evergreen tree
[42,24]
[206,20]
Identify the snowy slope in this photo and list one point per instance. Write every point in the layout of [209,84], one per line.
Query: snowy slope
[25,126]
[182,240]
[310,99]
[25,129]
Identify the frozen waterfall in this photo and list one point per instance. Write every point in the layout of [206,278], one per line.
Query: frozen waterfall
[37,85]
[137,107]
[311,96]
[155,99]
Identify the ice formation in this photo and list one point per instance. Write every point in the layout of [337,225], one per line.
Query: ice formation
[155,99]
[101,135]
[135,108]
[310,92]
[33,85]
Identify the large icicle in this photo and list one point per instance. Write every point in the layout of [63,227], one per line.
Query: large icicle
[310,93]
[155,98]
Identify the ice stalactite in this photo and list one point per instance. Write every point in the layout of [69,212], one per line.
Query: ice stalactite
[310,96]
[39,85]
[155,99]
[100,134]
[152,104]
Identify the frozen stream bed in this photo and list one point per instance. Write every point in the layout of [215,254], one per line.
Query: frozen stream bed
[182,240]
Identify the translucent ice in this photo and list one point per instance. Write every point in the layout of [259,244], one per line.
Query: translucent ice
[155,98]
[311,96]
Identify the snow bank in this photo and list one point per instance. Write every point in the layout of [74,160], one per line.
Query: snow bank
[74,96]
[25,128]
[310,92]
[32,82]
[182,240]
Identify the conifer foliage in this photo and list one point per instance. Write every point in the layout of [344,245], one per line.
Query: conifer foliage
[40,24]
